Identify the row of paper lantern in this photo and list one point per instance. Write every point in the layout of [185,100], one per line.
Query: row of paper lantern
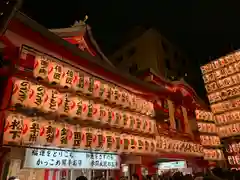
[210,140]
[22,130]
[65,76]
[223,83]
[207,127]
[204,115]
[222,73]
[166,144]
[226,106]
[224,94]
[213,154]
[221,62]
[227,117]
[229,130]
[50,100]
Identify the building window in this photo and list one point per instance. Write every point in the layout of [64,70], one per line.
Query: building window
[131,52]
[165,46]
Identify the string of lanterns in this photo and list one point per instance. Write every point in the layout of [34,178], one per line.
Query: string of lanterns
[213,154]
[207,127]
[46,100]
[229,130]
[204,115]
[227,117]
[48,70]
[226,106]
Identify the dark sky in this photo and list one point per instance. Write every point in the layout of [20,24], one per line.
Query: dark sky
[202,29]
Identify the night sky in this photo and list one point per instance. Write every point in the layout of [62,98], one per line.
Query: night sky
[202,30]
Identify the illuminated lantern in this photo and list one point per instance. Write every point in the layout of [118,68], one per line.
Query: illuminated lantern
[67,78]
[55,72]
[78,107]
[98,139]
[147,145]
[117,121]
[96,88]
[108,143]
[63,104]
[76,86]
[134,102]
[13,129]
[36,96]
[51,101]
[125,98]
[78,136]
[139,123]
[153,145]
[104,114]
[48,133]
[119,99]
[104,90]
[96,112]
[140,144]
[64,136]
[20,92]
[114,94]
[87,137]
[41,65]
[87,83]
[133,143]
[73,101]
[30,132]
[126,120]
[118,146]
[132,123]
[110,115]
[126,142]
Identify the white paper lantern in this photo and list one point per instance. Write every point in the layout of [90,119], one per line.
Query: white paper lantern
[96,88]
[63,104]
[96,112]
[20,92]
[67,77]
[41,65]
[36,96]
[55,72]
[126,120]
[118,142]
[77,136]
[31,129]
[126,143]
[13,128]
[104,114]
[87,138]
[51,101]
[98,139]
[118,120]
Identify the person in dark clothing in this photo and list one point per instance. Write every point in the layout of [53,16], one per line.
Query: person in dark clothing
[81,178]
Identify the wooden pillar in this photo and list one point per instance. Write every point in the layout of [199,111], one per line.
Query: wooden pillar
[186,122]
[171,109]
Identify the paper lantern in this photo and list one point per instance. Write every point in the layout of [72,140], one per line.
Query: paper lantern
[63,104]
[108,143]
[67,77]
[125,98]
[110,115]
[132,121]
[36,96]
[117,121]
[87,83]
[78,107]
[87,137]
[139,123]
[78,136]
[104,90]
[47,132]
[98,139]
[104,114]
[73,106]
[96,88]
[126,120]
[147,145]
[13,128]
[134,102]
[51,101]
[133,143]
[126,143]
[76,83]
[140,144]
[55,72]
[64,136]
[31,129]
[96,112]
[20,92]
[118,146]
[41,65]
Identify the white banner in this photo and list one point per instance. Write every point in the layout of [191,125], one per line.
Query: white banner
[60,159]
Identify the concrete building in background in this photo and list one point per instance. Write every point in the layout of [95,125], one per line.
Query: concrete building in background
[149,49]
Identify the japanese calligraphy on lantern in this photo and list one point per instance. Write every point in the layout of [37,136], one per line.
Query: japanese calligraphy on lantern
[59,159]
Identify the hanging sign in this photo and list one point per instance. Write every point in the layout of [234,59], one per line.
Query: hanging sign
[58,159]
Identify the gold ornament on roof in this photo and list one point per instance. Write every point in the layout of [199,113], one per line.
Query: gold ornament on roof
[80,23]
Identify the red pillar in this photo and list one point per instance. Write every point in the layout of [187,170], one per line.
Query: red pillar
[139,171]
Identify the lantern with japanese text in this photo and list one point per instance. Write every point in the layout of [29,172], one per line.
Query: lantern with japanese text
[41,65]
[147,144]
[126,120]
[67,77]
[20,92]
[105,92]
[153,145]
[63,104]
[36,96]
[140,144]
[31,129]
[108,143]
[96,88]
[126,143]
[139,123]
[81,109]
[63,136]
[77,136]
[75,82]
[87,137]
[117,121]
[133,143]
[51,101]
[96,112]
[55,72]
[98,139]
[104,114]
[132,121]
[13,128]
[47,132]
[110,115]
[118,142]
